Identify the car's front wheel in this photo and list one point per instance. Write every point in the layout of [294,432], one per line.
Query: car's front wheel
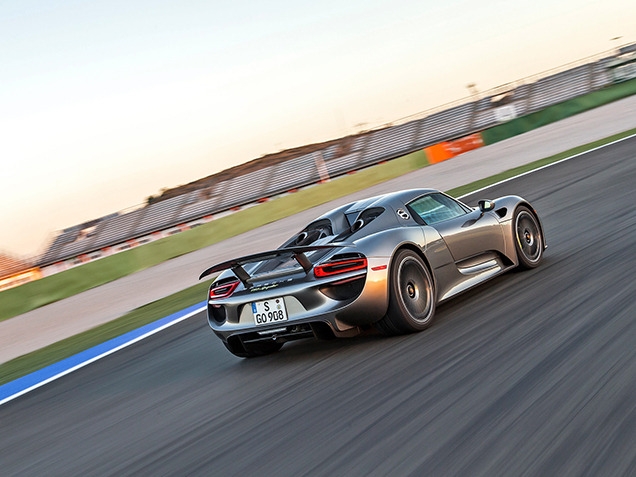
[528,238]
[411,295]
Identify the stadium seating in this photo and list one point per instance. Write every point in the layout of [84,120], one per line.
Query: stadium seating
[198,204]
[117,229]
[389,142]
[449,124]
[160,215]
[293,173]
[560,87]
[343,164]
[79,246]
[601,76]
[53,252]
[347,157]
[330,152]
[484,115]
[245,188]
[347,154]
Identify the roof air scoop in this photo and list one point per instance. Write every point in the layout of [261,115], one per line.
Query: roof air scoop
[357,225]
[307,237]
[301,238]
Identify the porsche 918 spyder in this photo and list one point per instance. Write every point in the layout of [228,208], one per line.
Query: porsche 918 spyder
[382,262]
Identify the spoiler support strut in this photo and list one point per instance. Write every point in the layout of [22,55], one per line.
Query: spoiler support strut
[304,261]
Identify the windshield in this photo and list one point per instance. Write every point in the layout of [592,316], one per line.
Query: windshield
[436,207]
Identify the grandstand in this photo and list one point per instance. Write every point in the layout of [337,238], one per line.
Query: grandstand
[294,173]
[389,142]
[561,87]
[449,124]
[198,204]
[222,192]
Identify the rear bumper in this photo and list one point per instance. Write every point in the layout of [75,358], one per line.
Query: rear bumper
[309,309]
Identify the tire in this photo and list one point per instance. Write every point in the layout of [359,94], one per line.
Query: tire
[411,296]
[253,350]
[528,238]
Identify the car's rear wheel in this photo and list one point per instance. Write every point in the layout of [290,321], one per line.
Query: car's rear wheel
[528,238]
[252,350]
[411,295]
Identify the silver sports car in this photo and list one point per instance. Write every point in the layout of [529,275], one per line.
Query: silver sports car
[382,262]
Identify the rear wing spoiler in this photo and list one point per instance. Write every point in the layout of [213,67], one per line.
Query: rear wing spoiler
[236,264]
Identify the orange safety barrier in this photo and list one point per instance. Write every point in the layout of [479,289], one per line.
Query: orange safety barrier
[445,150]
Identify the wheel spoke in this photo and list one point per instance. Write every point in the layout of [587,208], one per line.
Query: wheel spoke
[411,304]
[415,290]
[528,236]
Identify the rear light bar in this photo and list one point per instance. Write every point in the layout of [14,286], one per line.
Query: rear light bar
[223,290]
[340,266]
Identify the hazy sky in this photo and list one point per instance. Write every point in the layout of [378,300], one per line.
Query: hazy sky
[103,103]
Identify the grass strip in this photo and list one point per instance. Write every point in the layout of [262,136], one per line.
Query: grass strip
[137,318]
[154,311]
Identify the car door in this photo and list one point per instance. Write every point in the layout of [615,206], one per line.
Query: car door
[466,232]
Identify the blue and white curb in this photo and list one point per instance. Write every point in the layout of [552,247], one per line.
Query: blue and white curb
[25,384]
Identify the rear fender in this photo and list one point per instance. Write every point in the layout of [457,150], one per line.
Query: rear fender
[379,249]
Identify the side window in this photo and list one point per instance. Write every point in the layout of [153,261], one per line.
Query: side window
[436,207]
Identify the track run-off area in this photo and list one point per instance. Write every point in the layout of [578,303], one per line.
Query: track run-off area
[533,373]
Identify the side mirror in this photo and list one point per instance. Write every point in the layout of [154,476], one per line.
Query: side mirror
[486,205]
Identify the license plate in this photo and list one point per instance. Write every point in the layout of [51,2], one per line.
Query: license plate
[269,311]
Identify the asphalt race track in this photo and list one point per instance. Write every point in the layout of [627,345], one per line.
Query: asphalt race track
[531,374]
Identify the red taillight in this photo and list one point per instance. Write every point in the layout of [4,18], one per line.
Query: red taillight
[223,290]
[340,266]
